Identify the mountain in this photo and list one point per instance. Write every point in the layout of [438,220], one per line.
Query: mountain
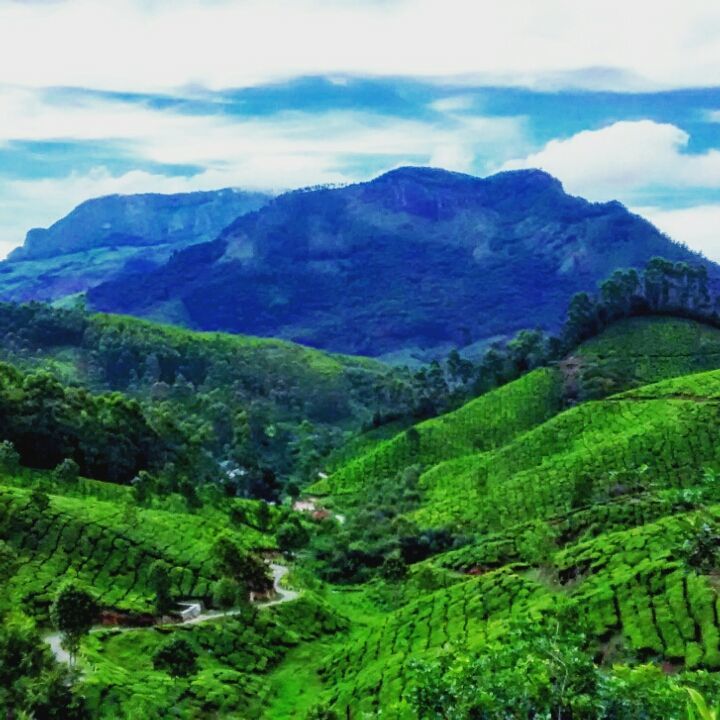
[104,237]
[413,262]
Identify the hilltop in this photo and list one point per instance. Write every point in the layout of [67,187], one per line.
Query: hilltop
[107,236]
[412,263]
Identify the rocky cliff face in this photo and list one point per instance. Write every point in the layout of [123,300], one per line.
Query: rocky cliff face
[105,237]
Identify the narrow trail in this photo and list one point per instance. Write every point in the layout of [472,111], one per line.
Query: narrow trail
[283,595]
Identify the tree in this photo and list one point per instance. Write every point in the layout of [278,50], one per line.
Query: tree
[73,613]
[67,472]
[143,485]
[582,319]
[159,581]
[394,568]
[54,698]
[527,350]
[189,492]
[227,592]
[292,535]
[263,516]
[533,672]
[177,657]
[22,657]
[9,458]
[246,568]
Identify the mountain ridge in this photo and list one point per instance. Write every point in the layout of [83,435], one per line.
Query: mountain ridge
[417,260]
[105,237]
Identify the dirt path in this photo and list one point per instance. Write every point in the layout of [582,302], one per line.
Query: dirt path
[283,595]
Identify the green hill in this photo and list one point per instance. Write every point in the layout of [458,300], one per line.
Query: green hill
[108,543]
[632,590]
[480,425]
[453,449]
[257,402]
[532,552]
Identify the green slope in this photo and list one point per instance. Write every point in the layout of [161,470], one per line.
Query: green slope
[482,424]
[634,592]
[504,444]
[97,534]
[598,505]
[643,350]
[536,475]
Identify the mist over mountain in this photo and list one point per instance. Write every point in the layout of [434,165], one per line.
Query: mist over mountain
[415,261]
[105,236]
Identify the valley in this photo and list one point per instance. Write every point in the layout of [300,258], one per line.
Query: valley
[567,518]
[359,360]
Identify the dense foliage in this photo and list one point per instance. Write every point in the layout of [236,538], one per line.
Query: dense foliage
[547,550]
[260,408]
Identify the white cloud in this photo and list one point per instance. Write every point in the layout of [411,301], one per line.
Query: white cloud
[453,103]
[625,161]
[616,161]
[165,44]
[698,227]
[276,152]
[169,137]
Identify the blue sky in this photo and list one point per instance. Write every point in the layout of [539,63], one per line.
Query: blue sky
[617,100]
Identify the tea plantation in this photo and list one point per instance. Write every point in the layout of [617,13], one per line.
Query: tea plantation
[605,506]
[109,546]
[549,549]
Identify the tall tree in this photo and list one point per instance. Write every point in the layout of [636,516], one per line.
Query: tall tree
[73,613]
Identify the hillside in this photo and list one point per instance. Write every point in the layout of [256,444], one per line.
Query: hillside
[604,512]
[412,263]
[633,351]
[534,551]
[256,403]
[108,236]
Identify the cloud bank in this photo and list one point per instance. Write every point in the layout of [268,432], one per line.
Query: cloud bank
[135,45]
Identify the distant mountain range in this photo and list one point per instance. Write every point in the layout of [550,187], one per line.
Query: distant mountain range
[412,263]
[105,237]
[406,266]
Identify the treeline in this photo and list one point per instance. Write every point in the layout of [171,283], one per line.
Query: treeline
[661,288]
[261,409]
[108,436]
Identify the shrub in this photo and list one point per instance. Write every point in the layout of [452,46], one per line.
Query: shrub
[177,657]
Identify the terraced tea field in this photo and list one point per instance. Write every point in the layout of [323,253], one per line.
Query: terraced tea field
[107,547]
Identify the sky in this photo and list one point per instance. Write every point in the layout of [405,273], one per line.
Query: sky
[619,100]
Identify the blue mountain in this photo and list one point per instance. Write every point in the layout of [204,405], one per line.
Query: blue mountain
[105,237]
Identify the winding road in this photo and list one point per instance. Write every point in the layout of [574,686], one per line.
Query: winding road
[283,595]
